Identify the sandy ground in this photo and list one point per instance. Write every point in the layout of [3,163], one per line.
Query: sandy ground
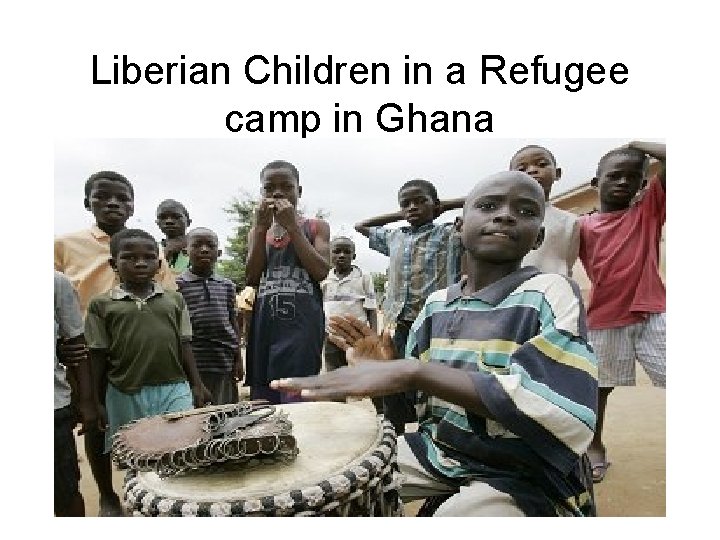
[635,439]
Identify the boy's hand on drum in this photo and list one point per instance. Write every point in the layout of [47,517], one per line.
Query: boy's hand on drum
[359,341]
[367,379]
[201,395]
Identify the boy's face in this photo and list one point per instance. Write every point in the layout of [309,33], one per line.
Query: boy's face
[281,184]
[502,219]
[342,254]
[202,250]
[417,206]
[538,163]
[137,261]
[111,202]
[620,179]
[172,221]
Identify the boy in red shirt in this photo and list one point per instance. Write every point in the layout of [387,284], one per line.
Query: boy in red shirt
[619,247]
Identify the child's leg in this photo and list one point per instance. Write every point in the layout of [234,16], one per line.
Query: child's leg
[101,468]
[68,501]
[398,408]
[416,481]
[334,356]
[650,348]
[616,367]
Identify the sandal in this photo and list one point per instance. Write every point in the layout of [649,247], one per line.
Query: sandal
[598,471]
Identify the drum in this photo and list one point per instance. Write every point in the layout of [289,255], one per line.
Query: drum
[346,466]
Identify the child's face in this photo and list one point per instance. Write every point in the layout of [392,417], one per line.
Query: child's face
[111,202]
[137,261]
[620,179]
[202,250]
[503,216]
[172,221]
[342,255]
[417,206]
[281,184]
[538,163]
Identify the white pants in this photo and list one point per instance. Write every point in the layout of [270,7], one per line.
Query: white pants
[477,499]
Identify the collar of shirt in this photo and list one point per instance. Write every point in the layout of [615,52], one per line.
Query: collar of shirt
[118,293]
[98,233]
[354,272]
[495,292]
[420,229]
[187,275]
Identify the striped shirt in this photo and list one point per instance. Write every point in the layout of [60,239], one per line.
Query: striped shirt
[523,341]
[211,302]
[422,261]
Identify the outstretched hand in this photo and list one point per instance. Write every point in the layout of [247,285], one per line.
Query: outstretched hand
[367,379]
[359,341]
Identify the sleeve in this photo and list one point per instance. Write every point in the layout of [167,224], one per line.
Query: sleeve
[59,255]
[370,296]
[165,276]
[378,239]
[96,335]
[67,308]
[548,397]
[185,324]
[653,201]
[574,246]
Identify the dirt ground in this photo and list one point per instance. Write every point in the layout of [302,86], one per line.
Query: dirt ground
[635,439]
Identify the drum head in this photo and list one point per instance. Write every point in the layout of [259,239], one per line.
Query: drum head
[336,442]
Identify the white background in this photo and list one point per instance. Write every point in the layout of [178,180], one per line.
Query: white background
[48,99]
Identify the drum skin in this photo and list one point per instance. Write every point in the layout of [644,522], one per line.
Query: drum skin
[346,467]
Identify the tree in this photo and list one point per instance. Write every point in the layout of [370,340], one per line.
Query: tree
[241,211]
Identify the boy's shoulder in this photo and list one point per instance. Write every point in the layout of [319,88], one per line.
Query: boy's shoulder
[560,215]
[88,233]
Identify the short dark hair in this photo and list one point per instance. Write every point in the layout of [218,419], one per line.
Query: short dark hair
[632,153]
[126,234]
[173,202]
[196,230]
[345,238]
[280,164]
[552,156]
[426,186]
[107,175]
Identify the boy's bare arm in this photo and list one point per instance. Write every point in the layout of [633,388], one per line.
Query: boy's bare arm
[256,242]
[451,204]
[655,150]
[74,354]
[363,227]
[200,394]
[98,372]
[315,257]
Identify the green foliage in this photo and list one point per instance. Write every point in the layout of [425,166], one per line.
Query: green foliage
[241,211]
[379,279]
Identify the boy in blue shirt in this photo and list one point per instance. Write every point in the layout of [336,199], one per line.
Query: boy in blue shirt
[424,258]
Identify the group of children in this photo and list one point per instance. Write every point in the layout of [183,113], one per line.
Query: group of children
[485,341]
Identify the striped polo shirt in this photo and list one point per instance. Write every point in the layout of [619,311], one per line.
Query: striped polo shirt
[211,302]
[523,341]
[422,261]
